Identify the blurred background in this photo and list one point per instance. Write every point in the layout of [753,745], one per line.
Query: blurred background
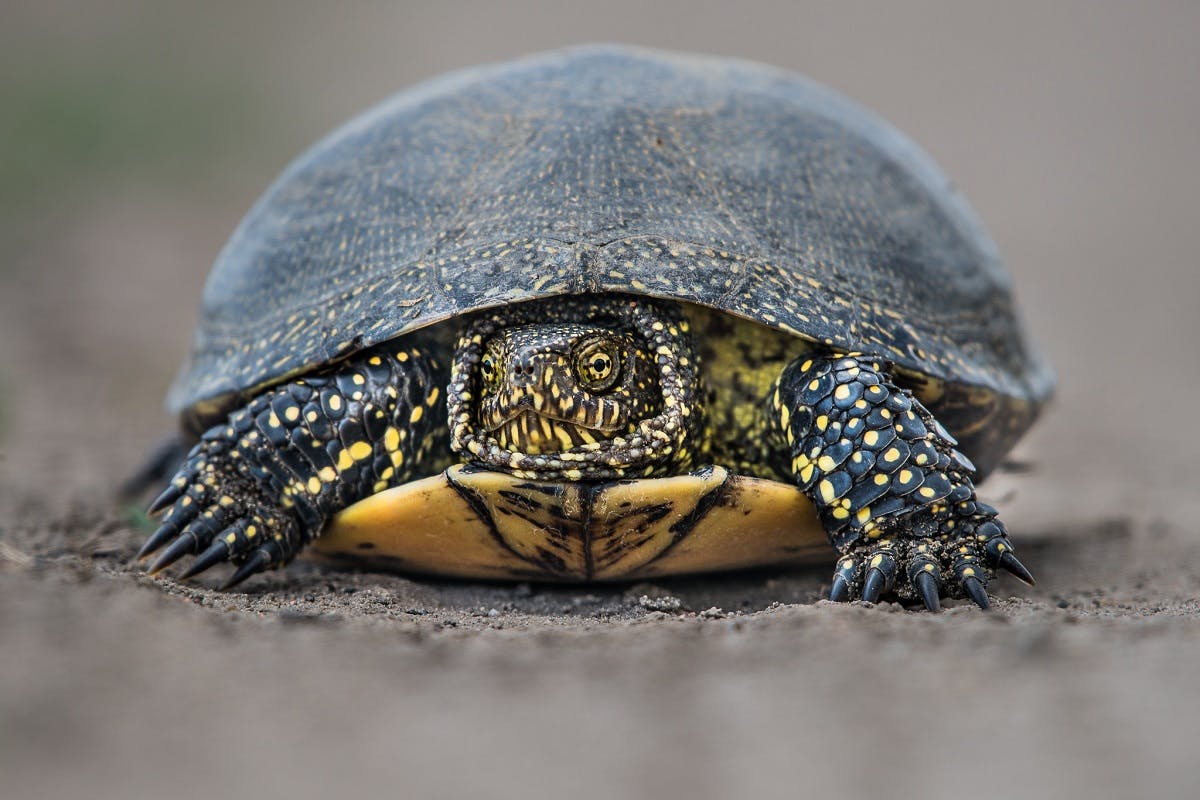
[134,135]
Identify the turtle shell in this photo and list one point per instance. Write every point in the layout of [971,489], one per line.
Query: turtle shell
[607,169]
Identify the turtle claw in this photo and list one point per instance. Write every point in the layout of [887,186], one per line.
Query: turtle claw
[257,562]
[974,589]
[217,552]
[844,580]
[926,586]
[184,544]
[881,573]
[168,497]
[1013,566]
[873,586]
[164,534]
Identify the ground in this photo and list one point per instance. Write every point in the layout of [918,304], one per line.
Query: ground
[1072,132]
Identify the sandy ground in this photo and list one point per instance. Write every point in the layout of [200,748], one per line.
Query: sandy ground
[1072,131]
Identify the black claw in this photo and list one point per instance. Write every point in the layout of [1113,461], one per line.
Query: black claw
[873,585]
[215,554]
[976,592]
[169,496]
[839,592]
[179,548]
[164,534]
[1015,568]
[927,586]
[257,562]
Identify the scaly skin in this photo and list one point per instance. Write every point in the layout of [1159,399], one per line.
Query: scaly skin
[895,496]
[658,435]
[258,488]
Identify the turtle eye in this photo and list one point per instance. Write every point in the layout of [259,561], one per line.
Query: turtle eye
[596,366]
[488,371]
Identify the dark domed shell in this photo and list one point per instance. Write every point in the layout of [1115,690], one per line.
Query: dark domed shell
[598,169]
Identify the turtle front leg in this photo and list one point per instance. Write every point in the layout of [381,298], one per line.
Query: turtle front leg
[259,487]
[895,496]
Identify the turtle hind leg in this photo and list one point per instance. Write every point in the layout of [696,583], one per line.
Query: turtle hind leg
[257,488]
[895,497]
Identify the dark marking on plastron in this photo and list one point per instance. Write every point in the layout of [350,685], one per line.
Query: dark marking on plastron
[587,502]
[480,507]
[551,561]
[681,529]
[614,548]
[516,498]
[550,490]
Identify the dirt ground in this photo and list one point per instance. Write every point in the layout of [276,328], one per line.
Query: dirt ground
[136,141]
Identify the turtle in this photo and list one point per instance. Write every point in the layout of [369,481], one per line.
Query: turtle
[640,296]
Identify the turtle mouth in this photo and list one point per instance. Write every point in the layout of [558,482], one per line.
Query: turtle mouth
[528,431]
[499,421]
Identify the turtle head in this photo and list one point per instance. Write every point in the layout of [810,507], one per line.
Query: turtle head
[553,386]
[575,388]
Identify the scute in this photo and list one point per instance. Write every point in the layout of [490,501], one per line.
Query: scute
[603,169]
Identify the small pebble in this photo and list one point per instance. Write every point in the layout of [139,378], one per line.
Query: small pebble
[667,603]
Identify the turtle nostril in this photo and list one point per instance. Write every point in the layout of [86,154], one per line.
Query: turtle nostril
[521,366]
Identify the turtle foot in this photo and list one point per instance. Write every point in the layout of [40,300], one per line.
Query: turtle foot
[213,511]
[928,569]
